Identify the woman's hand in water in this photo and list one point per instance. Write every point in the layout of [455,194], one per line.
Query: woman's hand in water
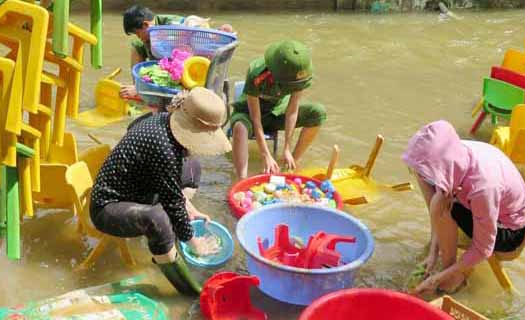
[198,245]
[430,262]
[128,91]
[270,165]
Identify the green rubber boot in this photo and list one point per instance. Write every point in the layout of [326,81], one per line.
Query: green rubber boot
[180,277]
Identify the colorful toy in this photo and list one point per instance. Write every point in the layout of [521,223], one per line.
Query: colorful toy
[371,304]
[258,191]
[226,296]
[202,229]
[354,183]
[195,72]
[319,253]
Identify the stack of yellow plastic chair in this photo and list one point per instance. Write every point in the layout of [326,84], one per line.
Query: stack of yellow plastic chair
[109,106]
[23,28]
[80,182]
[354,183]
[511,139]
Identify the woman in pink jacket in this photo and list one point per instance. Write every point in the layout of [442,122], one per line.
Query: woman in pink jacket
[466,184]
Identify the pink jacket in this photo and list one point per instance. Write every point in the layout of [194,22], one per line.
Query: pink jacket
[478,175]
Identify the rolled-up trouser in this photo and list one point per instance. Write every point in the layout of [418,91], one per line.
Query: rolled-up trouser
[130,219]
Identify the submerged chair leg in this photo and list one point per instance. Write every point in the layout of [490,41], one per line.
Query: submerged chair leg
[500,274]
[124,252]
[94,254]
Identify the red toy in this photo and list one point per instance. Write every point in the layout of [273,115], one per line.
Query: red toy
[319,253]
[226,296]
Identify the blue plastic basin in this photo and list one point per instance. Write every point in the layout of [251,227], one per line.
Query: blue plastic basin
[200,229]
[296,285]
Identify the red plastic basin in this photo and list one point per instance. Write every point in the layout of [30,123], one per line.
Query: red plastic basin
[246,184]
[371,304]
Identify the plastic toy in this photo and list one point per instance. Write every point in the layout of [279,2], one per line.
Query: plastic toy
[354,183]
[109,107]
[262,192]
[319,253]
[511,139]
[226,245]
[371,304]
[195,72]
[499,98]
[298,285]
[226,296]
[80,183]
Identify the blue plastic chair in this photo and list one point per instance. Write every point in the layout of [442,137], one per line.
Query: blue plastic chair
[274,136]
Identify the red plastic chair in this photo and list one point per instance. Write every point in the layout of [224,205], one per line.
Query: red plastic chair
[282,250]
[371,304]
[508,76]
[226,296]
[320,251]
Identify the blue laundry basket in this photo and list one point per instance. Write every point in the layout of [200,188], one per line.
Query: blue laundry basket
[199,41]
[297,285]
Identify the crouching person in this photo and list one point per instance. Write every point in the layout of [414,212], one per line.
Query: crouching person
[148,164]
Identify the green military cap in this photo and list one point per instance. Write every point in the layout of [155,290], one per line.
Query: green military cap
[290,63]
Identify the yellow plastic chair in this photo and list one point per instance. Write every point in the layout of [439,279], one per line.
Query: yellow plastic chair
[21,12]
[54,191]
[495,261]
[109,107]
[65,154]
[79,179]
[7,139]
[94,158]
[511,139]
[354,183]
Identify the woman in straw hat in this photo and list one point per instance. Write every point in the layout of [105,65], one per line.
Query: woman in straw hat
[147,164]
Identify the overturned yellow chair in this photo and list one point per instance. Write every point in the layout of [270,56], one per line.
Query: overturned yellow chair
[79,179]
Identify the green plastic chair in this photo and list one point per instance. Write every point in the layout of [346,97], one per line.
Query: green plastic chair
[10,204]
[499,98]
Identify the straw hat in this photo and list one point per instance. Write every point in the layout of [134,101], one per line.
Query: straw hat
[196,123]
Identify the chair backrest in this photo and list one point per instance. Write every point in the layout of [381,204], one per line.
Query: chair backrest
[54,190]
[501,97]
[508,76]
[79,179]
[67,153]
[94,158]
[218,71]
[514,60]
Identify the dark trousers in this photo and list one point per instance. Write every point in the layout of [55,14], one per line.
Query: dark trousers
[130,219]
[507,240]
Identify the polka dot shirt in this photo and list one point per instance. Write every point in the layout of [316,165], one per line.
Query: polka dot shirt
[146,164]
